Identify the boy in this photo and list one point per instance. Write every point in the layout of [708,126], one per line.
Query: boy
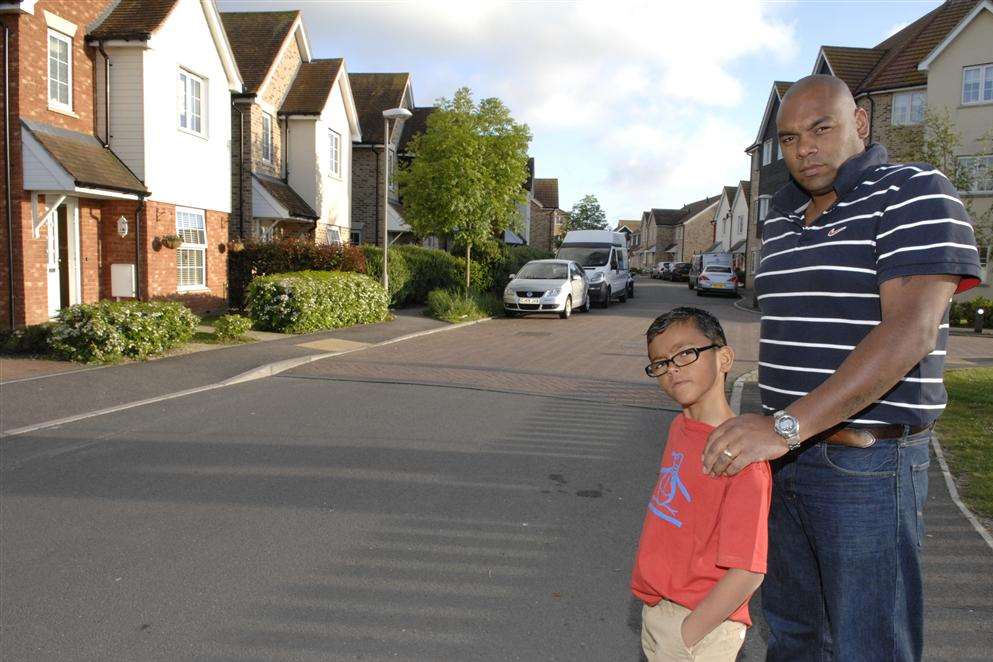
[703,544]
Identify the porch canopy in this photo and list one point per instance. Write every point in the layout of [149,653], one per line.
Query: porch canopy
[739,247]
[274,200]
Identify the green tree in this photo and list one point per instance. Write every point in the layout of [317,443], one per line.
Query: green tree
[464,181]
[587,214]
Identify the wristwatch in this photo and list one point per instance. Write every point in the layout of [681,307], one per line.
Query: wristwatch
[787,427]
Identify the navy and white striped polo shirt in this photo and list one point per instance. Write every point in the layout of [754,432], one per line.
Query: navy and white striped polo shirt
[818,285]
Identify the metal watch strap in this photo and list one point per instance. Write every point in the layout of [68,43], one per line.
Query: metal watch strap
[792,440]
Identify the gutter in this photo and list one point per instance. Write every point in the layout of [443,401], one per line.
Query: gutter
[137,247]
[7,176]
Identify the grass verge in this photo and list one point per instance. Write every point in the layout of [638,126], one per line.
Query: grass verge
[457,307]
[965,430]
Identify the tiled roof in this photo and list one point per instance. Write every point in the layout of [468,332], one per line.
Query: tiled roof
[782,86]
[729,191]
[256,38]
[852,65]
[87,161]
[632,225]
[546,191]
[416,124]
[287,197]
[666,216]
[694,208]
[908,47]
[133,19]
[373,94]
[747,186]
[311,88]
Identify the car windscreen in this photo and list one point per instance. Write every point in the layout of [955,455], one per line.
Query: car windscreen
[585,256]
[544,271]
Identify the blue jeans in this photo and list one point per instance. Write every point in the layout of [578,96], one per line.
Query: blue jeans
[845,531]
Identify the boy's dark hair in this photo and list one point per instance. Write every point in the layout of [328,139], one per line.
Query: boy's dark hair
[709,325]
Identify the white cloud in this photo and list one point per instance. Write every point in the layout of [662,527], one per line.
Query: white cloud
[576,70]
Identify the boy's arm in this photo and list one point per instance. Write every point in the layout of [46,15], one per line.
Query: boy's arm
[728,594]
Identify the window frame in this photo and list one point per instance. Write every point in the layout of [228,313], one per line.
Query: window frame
[191,247]
[55,104]
[767,151]
[327,234]
[268,140]
[355,235]
[909,96]
[972,179]
[334,139]
[184,102]
[767,199]
[983,70]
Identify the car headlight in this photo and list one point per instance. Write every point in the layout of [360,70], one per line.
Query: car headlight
[597,277]
[508,292]
[554,292]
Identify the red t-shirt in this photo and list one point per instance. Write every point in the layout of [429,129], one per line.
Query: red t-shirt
[697,527]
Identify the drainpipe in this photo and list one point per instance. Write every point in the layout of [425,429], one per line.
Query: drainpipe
[106,95]
[137,247]
[241,171]
[872,114]
[6,173]
[378,196]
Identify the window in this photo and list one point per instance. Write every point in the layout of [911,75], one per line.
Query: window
[767,152]
[741,223]
[59,70]
[267,138]
[908,108]
[191,89]
[335,152]
[355,236]
[763,207]
[779,151]
[191,258]
[979,170]
[332,236]
[977,84]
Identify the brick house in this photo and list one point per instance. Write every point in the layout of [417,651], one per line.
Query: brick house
[375,93]
[731,223]
[547,219]
[695,230]
[292,131]
[100,173]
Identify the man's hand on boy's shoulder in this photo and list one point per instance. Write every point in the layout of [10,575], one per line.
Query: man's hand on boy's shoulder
[738,442]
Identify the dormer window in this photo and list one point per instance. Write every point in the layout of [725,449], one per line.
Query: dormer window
[191,102]
[59,71]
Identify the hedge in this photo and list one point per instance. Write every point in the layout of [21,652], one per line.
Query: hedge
[964,313]
[31,339]
[399,273]
[308,301]
[285,256]
[110,330]
[231,327]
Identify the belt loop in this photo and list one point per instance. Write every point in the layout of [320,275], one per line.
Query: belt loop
[906,432]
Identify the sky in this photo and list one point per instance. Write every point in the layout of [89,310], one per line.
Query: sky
[642,104]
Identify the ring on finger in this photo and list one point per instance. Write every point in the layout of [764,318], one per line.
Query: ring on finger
[728,454]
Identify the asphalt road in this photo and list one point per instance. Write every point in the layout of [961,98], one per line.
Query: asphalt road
[472,495]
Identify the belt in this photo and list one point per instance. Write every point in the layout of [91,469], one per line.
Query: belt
[863,437]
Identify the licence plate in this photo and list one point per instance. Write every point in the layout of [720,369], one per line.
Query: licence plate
[532,300]
[717,285]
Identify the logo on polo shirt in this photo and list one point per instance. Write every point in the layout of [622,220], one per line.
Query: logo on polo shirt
[834,231]
[669,484]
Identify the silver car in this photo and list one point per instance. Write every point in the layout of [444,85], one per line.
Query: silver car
[717,279]
[547,286]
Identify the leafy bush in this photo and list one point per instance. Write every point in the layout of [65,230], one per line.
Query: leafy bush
[110,330]
[26,340]
[231,327]
[399,271]
[494,261]
[432,269]
[285,256]
[456,306]
[308,301]
[963,313]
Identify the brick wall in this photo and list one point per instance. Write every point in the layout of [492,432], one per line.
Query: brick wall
[541,227]
[896,139]
[241,172]
[698,234]
[275,91]
[367,203]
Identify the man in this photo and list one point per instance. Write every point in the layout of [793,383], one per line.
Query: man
[859,261]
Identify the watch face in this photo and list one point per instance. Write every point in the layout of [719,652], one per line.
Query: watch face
[786,425]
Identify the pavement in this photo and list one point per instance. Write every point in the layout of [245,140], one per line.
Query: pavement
[475,493]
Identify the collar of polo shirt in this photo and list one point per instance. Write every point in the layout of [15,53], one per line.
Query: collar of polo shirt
[791,197]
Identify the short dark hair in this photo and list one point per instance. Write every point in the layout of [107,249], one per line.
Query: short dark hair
[708,325]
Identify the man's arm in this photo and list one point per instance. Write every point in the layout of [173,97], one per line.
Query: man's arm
[730,591]
[912,308]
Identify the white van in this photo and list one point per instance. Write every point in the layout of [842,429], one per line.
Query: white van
[603,255]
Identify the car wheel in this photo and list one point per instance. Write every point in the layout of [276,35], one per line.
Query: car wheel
[624,295]
[631,291]
[585,308]
[606,300]
[689,284]
[567,311]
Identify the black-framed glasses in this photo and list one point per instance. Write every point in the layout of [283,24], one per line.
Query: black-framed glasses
[680,360]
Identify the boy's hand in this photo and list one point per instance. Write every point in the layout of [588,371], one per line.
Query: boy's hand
[738,442]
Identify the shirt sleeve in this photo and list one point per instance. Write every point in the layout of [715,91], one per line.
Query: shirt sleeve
[743,532]
[925,230]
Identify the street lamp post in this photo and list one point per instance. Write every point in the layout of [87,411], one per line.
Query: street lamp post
[398,114]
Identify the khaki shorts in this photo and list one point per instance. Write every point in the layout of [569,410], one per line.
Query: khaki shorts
[662,639]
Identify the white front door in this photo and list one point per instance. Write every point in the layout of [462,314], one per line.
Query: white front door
[63,259]
[54,273]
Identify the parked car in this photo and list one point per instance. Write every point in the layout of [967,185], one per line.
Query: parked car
[660,269]
[666,272]
[547,286]
[719,279]
[603,257]
[704,260]
[680,272]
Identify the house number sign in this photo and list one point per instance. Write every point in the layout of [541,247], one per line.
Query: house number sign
[122,227]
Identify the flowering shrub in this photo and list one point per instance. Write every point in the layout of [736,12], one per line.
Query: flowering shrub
[26,340]
[109,331]
[308,301]
[285,256]
[231,327]
[399,272]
